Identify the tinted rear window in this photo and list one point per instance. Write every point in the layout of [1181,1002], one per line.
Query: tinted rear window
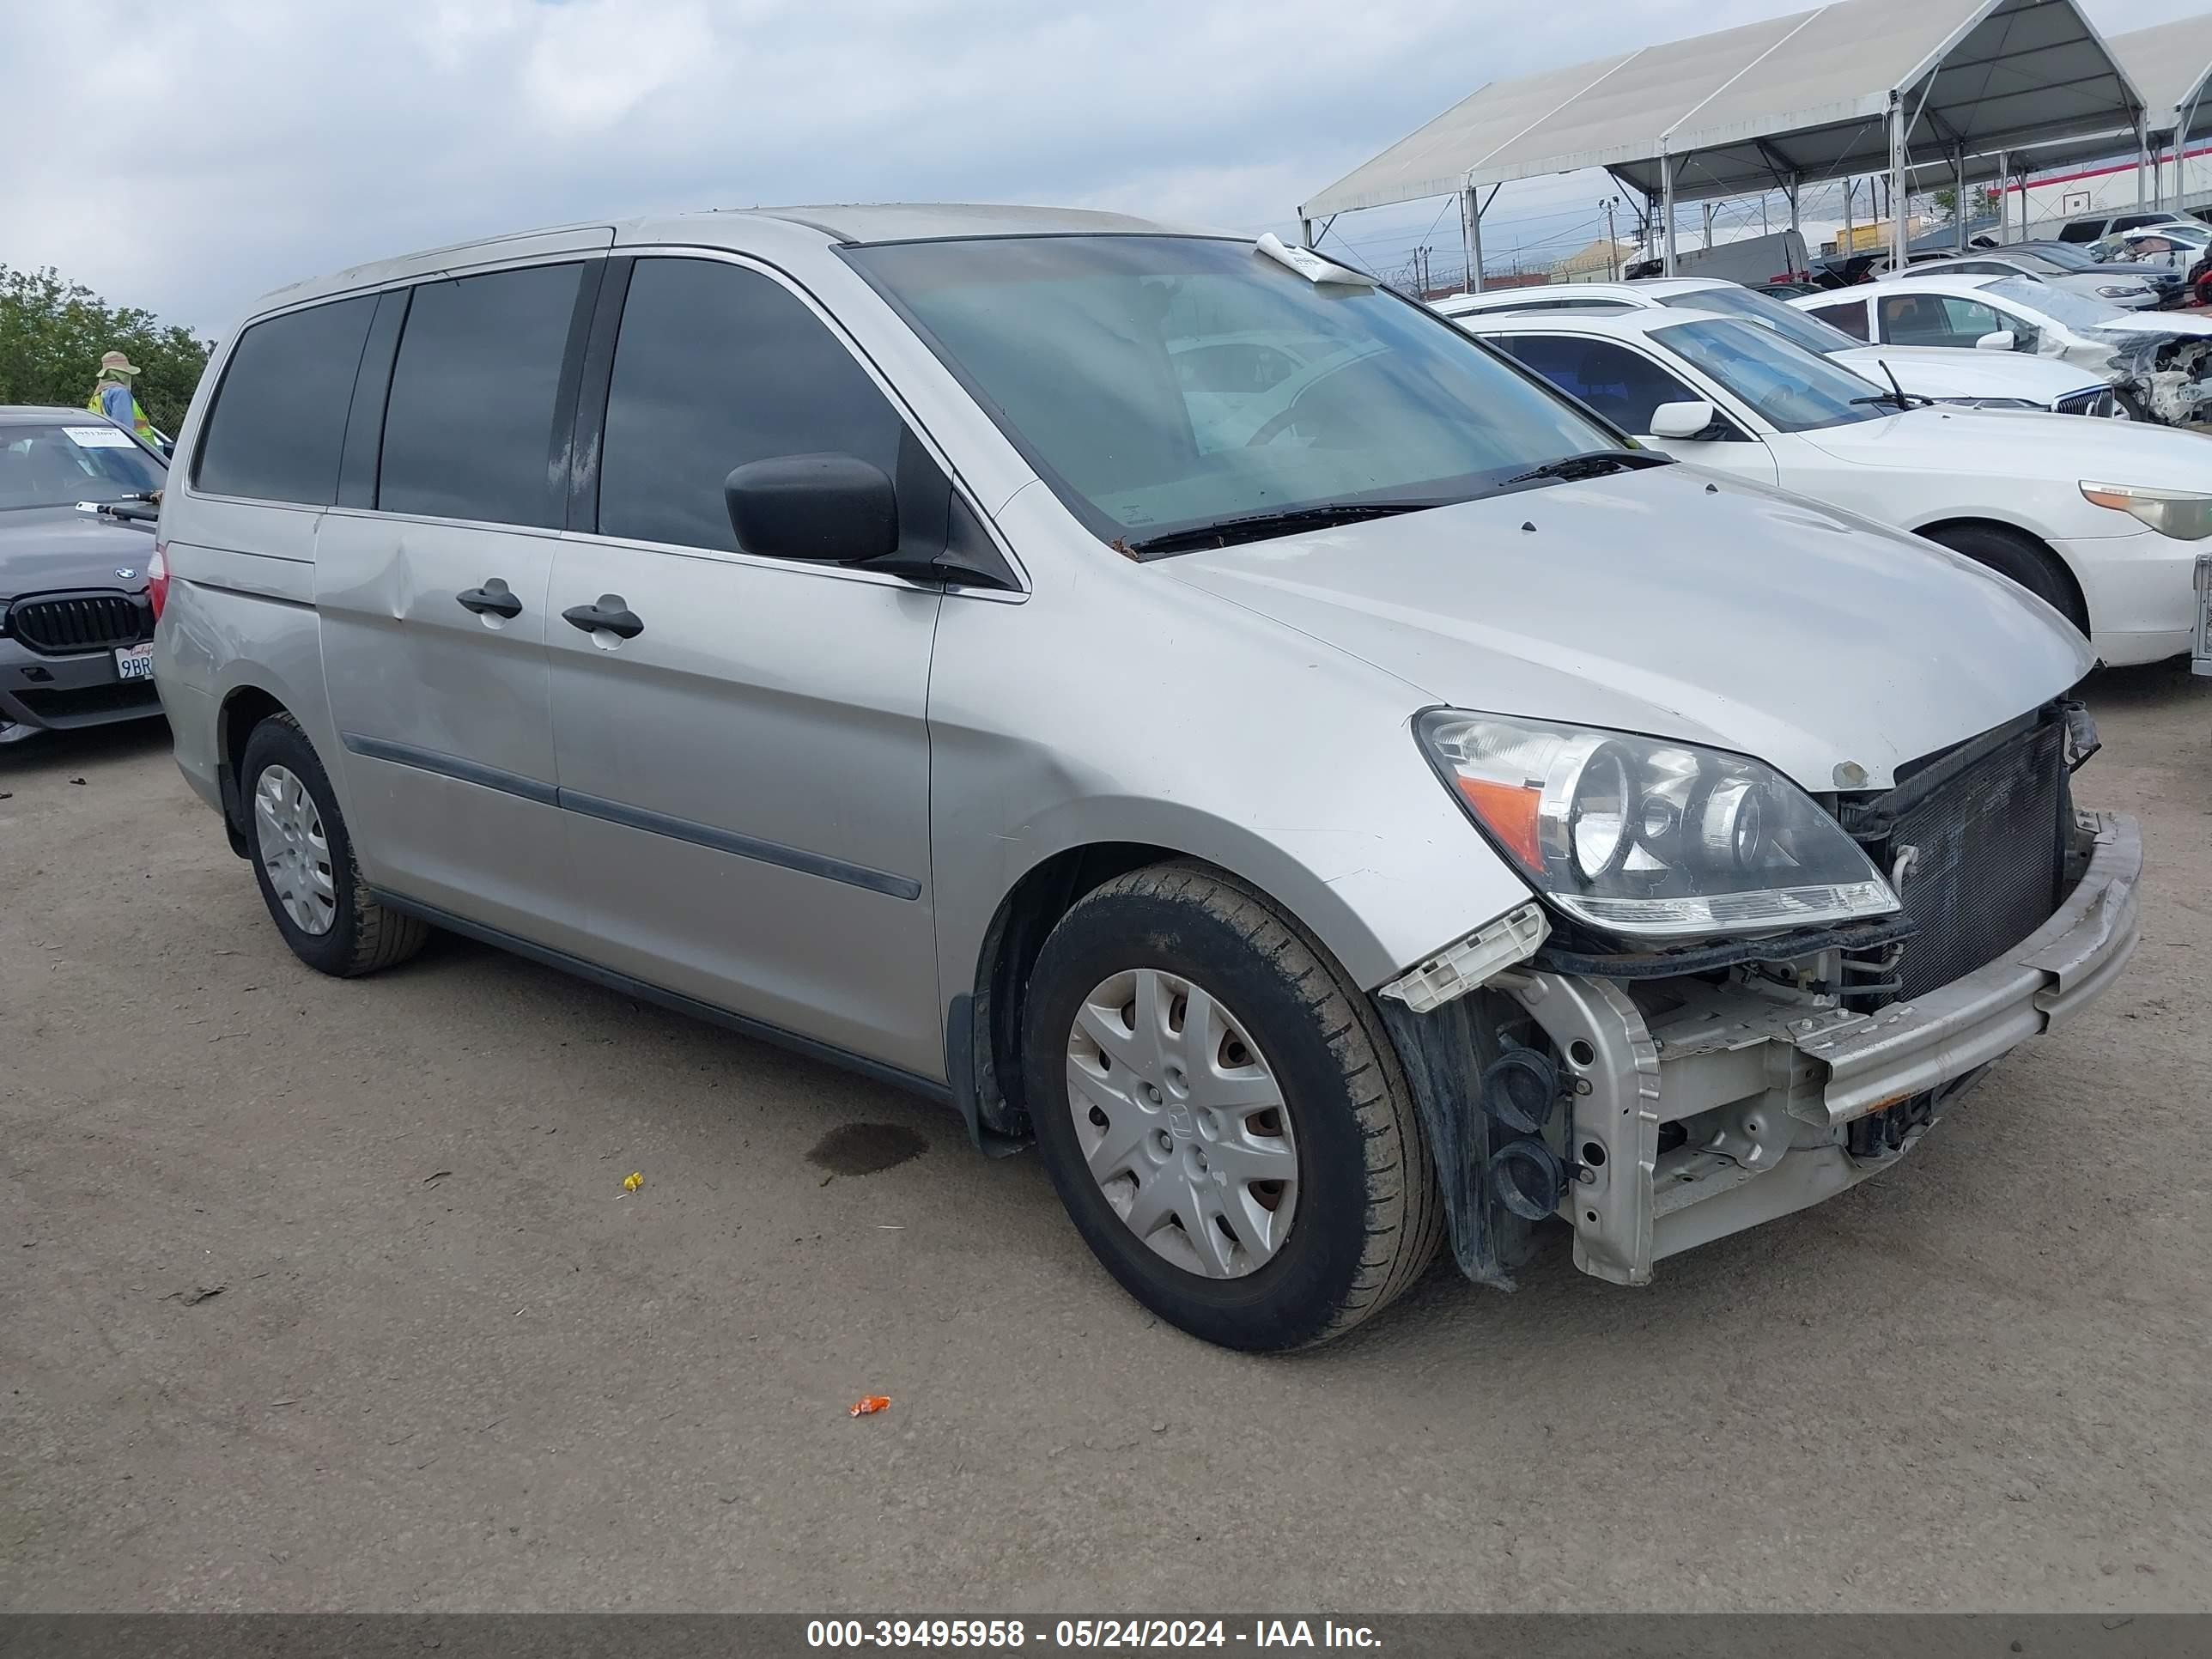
[468,431]
[279,417]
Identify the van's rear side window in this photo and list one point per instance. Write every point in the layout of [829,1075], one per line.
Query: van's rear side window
[468,431]
[280,415]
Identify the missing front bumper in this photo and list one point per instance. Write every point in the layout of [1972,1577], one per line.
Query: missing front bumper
[1698,1110]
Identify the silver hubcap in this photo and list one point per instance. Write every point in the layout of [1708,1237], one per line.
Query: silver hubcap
[1182,1123]
[289,831]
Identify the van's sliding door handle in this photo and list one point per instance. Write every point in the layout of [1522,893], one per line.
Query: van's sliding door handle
[494,597]
[610,613]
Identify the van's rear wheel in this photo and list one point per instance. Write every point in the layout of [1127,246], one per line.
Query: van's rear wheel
[1222,1115]
[303,860]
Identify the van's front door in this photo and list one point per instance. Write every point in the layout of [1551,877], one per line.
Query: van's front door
[433,589]
[743,746]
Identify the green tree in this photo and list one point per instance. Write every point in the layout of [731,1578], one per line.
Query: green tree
[1982,202]
[53,332]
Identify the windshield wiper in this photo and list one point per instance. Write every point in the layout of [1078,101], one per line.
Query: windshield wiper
[1593,463]
[1896,394]
[138,508]
[1256,526]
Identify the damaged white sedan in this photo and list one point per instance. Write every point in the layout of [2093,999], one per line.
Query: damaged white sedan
[2160,362]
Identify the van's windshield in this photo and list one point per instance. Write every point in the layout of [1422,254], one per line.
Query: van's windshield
[1168,386]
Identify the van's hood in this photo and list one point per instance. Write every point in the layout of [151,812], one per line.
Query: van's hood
[1675,603]
[45,548]
[2022,444]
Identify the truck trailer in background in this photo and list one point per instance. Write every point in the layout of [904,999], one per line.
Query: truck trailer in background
[1776,258]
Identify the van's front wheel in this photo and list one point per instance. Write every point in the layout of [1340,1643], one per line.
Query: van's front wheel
[1222,1115]
[303,860]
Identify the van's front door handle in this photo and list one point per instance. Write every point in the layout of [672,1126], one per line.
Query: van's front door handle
[610,613]
[494,598]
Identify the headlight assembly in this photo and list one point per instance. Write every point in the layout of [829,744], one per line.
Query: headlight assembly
[1644,837]
[2183,514]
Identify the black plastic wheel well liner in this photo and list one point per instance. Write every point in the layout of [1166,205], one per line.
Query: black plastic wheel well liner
[243,708]
[1443,1053]
[1016,933]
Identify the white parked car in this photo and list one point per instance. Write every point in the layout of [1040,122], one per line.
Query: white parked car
[2101,520]
[2160,362]
[2154,247]
[1946,377]
[2095,227]
[2116,285]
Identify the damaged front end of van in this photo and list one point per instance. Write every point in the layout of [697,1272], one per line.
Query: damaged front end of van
[1658,1096]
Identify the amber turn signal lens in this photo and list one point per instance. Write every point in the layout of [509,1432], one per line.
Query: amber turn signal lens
[1509,810]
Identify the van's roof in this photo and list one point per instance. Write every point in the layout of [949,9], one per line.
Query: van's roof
[846,225]
[859,223]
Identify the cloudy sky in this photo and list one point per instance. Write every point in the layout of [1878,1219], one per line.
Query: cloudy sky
[192,153]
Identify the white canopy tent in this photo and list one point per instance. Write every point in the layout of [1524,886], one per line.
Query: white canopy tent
[2170,64]
[1848,89]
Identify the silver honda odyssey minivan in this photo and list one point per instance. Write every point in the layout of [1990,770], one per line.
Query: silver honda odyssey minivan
[1165,696]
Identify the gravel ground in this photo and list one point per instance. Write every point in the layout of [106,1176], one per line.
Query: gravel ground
[325,1295]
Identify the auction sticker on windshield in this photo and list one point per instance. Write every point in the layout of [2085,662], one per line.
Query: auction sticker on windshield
[98,437]
[135,662]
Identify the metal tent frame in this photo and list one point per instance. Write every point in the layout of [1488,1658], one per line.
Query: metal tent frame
[1844,89]
[2171,65]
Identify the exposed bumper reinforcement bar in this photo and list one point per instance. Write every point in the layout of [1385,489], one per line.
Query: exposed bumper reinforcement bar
[1764,1083]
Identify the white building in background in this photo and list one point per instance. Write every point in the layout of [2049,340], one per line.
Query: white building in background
[2106,187]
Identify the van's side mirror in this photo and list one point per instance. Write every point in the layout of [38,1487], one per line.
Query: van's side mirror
[2003,340]
[1684,421]
[833,508]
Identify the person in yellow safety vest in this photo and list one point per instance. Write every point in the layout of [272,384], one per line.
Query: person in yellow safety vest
[111,396]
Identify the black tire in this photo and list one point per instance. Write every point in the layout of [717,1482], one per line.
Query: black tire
[364,936]
[2026,561]
[1369,1216]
